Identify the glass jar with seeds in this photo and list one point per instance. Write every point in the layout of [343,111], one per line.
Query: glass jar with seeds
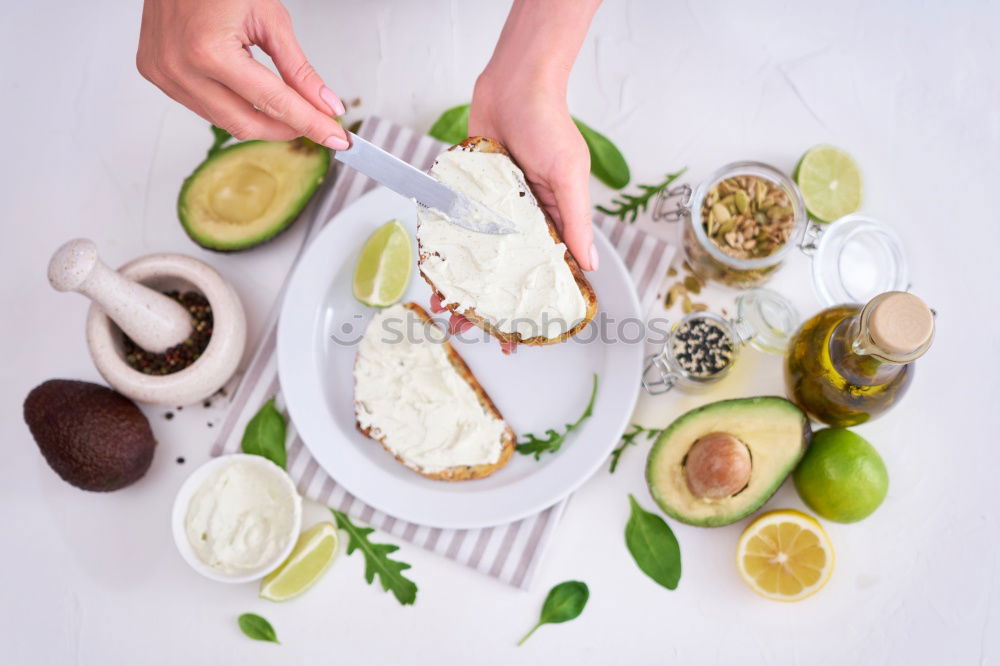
[702,347]
[741,223]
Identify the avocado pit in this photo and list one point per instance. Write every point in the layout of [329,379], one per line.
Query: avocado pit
[717,466]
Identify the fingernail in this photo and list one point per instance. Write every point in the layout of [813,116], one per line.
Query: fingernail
[595,261]
[336,106]
[336,143]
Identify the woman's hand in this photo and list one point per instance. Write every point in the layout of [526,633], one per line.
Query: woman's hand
[197,52]
[533,123]
[520,100]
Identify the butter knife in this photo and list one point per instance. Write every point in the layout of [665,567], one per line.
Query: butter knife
[414,184]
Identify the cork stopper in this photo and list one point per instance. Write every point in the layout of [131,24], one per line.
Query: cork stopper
[901,323]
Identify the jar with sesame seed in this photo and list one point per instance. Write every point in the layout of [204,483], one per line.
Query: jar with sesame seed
[702,347]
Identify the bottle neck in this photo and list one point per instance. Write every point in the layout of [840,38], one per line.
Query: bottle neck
[854,357]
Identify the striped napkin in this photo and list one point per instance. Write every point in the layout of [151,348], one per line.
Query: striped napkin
[510,552]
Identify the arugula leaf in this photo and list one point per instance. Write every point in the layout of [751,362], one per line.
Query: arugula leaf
[453,125]
[265,434]
[221,137]
[653,546]
[630,205]
[606,162]
[628,439]
[564,602]
[536,446]
[257,628]
[390,572]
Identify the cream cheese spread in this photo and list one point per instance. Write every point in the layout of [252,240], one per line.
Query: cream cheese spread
[241,518]
[414,401]
[519,282]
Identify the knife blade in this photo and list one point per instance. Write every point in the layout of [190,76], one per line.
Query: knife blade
[413,183]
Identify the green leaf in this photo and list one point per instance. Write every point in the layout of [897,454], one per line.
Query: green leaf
[627,440]
[265,434]
[221,137]
[630,205]
[390,572]
[653,546]
[606,162]
[257,628]
[453,125]
[565,602]
[536,446]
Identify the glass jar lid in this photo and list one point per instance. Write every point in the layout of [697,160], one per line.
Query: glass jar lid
[766,319]
[857,258]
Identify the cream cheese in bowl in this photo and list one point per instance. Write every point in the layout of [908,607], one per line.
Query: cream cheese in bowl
[236,518]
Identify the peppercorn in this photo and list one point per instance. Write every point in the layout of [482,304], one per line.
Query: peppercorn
[179,356]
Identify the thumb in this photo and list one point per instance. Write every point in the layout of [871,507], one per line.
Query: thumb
[279,42]
[573,201]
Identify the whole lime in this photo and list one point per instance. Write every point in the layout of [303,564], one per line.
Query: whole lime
[842,476]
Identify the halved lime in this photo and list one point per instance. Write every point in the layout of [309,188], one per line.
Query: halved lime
[830,182]
[384,267]
[313,553]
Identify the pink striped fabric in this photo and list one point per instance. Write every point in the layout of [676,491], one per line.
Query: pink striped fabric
[511,552]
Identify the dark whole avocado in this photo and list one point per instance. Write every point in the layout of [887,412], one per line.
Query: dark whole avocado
[94,438]
[246,194]
[722,461]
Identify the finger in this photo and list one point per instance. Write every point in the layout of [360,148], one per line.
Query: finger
[280,43]
[233,114]
[258,85]
[436,306]
[508,347]
[573,200]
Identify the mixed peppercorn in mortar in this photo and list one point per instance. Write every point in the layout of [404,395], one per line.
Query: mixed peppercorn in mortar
[182,355]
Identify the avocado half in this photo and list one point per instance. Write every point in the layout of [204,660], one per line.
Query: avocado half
[248,193]
[746,449]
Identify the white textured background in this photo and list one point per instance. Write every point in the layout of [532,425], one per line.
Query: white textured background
[910,88]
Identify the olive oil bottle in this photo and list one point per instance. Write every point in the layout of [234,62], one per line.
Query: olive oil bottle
[849,364]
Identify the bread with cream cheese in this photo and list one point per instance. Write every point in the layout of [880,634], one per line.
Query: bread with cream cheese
[474,274]
[418,399]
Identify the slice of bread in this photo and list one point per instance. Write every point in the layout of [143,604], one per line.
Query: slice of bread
[457,472]
[483,319]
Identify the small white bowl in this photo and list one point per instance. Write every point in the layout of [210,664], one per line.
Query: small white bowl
[194,483]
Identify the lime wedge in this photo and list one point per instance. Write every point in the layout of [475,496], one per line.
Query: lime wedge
[313,553]
[384,268]
[830,182]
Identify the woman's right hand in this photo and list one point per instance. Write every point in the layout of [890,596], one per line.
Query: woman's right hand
[198,53]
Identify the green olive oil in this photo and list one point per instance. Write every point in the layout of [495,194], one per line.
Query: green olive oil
[845,365]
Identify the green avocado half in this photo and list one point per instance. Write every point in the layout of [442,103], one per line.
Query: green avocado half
[248,193]
[746,449]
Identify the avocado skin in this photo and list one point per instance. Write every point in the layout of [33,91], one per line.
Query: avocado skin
[191,227]
[94,438]
[725,406]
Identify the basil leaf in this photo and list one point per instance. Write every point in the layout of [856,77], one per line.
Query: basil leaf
[265,434]
[565,602]
[606,162]
[221,137]
[453,125]
[257,628]
[653,546]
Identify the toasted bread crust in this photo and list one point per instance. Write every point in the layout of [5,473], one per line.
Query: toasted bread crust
[458,472]
[486,145]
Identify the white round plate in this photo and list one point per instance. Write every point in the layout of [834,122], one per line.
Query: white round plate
[535,388]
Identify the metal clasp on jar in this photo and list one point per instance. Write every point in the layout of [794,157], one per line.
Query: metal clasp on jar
[661,210]
[666,380]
